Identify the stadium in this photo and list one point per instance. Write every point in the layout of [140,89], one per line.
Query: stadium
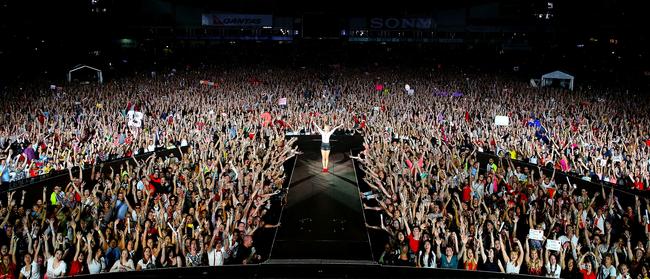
[275,139]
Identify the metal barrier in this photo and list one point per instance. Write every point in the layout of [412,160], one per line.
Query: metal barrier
[33,186]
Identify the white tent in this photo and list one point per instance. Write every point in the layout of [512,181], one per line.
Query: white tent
[547,79]
[100,77]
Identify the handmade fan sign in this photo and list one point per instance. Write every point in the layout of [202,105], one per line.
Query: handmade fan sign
[501,120]
[208,83]
[135,118]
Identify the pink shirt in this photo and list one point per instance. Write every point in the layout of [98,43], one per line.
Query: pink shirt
[564,165]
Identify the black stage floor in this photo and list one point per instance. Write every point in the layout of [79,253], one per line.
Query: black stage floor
[323,219]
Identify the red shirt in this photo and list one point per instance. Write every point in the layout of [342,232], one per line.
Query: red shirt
[77,268]
[151,188]
[587,276]
[8,271]
[639,185]
[467,193]
[281,123]
[413,243]
[523,197]
[154,179]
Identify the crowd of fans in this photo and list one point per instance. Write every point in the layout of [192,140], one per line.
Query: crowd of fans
[439,205]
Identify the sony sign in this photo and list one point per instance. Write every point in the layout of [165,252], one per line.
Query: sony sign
[400,23]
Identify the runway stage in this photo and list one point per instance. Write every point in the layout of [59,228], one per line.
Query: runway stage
[323,219]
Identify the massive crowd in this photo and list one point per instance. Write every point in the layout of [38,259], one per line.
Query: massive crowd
[439,205]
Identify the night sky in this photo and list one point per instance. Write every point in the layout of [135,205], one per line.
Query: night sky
[41,33]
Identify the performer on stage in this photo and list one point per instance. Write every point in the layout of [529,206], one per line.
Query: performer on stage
[325,145]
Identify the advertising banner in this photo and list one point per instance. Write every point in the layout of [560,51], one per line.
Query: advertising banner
[234,20]
[401,23]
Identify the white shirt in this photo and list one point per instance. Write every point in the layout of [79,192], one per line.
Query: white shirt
[599,221]
[143,265]
[119,267]
[607,272]
[550,184]
[58,272]
[425,261]
[478,188]
[325,136]
[216,257]
[95,267]
[512,269]
[33,273]
[553,272]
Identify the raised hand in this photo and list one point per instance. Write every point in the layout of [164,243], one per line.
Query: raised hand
[464,239]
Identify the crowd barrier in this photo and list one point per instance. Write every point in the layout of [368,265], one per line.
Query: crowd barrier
[342,142]
[60,178]
[307,141]
[573,177]
[307,269]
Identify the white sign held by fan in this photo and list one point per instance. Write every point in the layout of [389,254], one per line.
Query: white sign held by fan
[553,245]
[501,120]
[409,90]
[536,234]
[135,118]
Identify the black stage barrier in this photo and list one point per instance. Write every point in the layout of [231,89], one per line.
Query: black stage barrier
[34,186]
[306,269]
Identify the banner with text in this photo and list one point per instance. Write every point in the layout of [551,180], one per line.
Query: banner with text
[401,23]
[250,20]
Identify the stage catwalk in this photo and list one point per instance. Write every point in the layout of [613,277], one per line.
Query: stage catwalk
[323,218]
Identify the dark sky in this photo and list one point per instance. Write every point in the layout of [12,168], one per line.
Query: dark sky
[70,15]
[70,26]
